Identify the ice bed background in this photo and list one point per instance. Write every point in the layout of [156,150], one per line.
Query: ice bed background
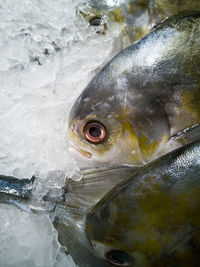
[48,53]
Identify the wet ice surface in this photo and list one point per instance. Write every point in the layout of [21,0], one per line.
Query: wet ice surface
[47,56]
[28,240]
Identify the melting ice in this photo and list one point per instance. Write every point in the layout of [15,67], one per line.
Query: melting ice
[48,53]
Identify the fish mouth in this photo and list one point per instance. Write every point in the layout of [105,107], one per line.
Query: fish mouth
[84,153]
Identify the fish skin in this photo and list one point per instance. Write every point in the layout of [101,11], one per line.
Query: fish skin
[166,8]
[144,96]
[153,215]
[17,187]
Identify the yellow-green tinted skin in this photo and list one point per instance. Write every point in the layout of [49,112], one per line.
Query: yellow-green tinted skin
[154,216]
[165,8]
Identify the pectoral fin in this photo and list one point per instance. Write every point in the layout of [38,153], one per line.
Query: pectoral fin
[95,183]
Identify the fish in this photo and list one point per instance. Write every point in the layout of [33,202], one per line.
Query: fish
[152,218]
[145,101]
[135,18]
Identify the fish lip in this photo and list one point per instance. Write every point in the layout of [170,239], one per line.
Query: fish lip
[84,153]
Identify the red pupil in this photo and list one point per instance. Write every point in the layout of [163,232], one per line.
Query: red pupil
[94,131]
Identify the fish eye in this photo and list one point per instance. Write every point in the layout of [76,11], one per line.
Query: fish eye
[94,132]
[95,21]
[118,258]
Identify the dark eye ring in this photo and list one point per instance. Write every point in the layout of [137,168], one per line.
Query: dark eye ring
[94,132]
[118,258]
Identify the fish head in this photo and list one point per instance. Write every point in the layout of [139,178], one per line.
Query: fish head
[117,128]
[134,109]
